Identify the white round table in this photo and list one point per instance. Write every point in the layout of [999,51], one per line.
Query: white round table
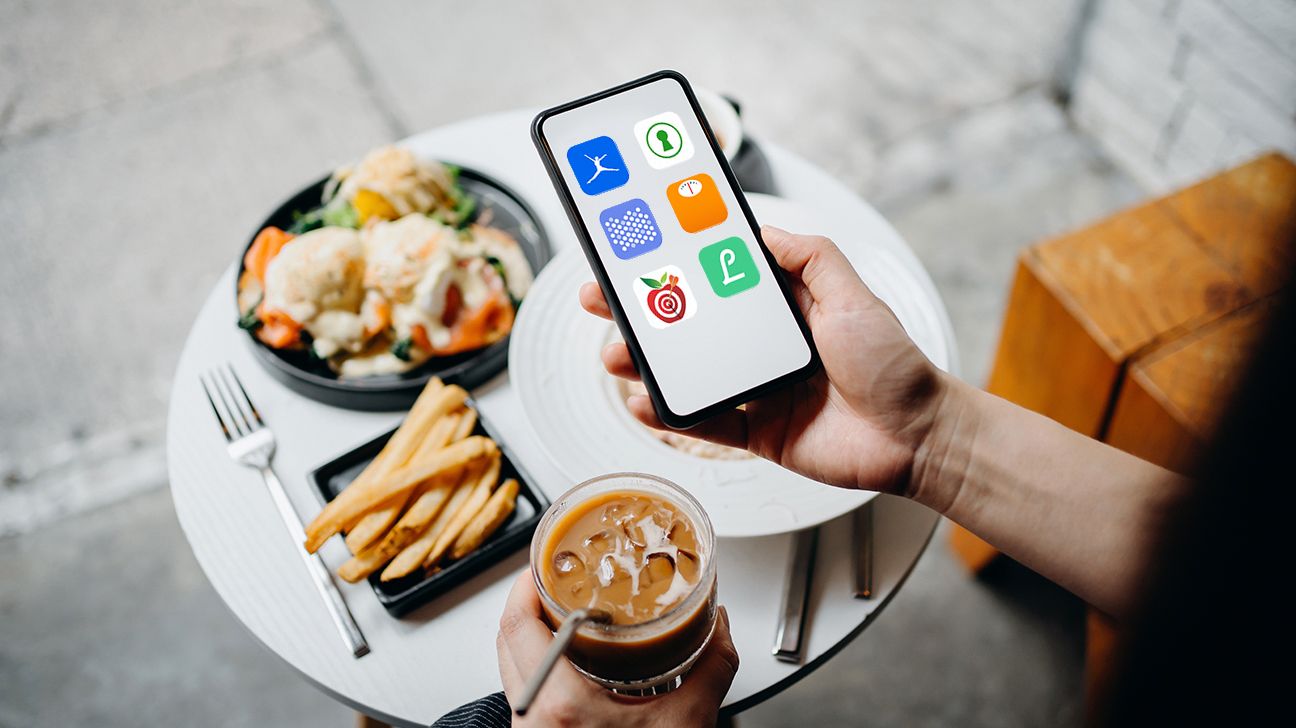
[443,654]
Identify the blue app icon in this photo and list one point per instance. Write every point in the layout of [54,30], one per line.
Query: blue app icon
[598,165]
[631,229]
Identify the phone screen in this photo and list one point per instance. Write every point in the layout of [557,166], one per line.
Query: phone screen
[679,255]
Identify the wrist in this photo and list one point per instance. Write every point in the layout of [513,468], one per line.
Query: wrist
[942,456]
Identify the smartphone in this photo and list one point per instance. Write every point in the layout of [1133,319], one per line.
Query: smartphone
[707,314]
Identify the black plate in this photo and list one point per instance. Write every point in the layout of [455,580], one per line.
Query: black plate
[306,375]
[402,596]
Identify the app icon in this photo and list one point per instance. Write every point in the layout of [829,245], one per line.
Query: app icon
[631,228]
[697,204]
[729,267]
[665,296]
[663,140]
[598,165]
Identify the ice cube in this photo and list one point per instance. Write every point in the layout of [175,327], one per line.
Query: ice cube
[662,518]
[677,529]
[649,531]
[582,590]
[660,568]
[567,563]
[600,541]
[624,513]
[689,563]
[606,570]
[634,535]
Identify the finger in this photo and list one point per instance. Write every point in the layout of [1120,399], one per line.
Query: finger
[525,637]
[617,362]
[522,628]
[719,664]
[708,682]
[820,264]
[727,428]
[641,407]
[802,296]
[592,300]
[510,678]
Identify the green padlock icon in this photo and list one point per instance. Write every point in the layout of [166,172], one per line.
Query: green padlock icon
[663,140]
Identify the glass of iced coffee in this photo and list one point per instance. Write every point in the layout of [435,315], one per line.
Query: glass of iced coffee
[641,549]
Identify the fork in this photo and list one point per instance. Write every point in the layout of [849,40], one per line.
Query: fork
[251,443]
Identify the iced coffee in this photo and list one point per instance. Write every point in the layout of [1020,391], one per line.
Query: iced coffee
[639,548]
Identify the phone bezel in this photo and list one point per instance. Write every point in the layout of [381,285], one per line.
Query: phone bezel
[668,417]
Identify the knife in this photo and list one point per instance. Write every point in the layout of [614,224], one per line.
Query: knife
[788,641]
[862,551]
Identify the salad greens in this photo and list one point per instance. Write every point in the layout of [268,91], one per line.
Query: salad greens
[337,213]
[249,320]
[401,348]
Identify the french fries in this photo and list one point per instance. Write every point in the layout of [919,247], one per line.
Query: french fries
[405,440]
[412,557]
[352,505]
[492,516]
[481,492]
[430,494]
[419,516]
[374,525]
[450,521]
[432,404]
[466,425]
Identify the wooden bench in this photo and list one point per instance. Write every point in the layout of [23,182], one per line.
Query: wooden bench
[1135,329]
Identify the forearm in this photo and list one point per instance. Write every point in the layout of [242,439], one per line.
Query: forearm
[1079,512]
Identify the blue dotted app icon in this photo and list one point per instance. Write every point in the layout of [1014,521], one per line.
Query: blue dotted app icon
[598,165]
[631,229]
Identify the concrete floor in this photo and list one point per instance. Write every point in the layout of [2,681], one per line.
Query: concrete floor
[141,141]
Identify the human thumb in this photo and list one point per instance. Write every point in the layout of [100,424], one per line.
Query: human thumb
[817,261]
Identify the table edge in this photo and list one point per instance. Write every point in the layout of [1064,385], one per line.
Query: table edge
[806,669]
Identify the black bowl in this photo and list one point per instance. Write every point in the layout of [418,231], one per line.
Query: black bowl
[311,377]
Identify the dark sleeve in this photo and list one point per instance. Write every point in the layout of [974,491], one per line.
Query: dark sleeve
[492,711]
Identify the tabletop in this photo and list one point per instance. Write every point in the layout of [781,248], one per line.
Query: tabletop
[443,654]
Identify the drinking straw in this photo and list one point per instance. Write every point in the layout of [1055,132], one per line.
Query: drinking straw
[566,631]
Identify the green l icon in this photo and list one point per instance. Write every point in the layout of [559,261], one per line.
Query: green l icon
[729,267]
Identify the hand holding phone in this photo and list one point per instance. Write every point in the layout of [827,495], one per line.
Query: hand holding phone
[859,422]
[707,316]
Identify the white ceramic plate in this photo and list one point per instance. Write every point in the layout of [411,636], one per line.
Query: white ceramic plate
[577,412]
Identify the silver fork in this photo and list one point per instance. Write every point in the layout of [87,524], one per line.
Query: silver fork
[251,443]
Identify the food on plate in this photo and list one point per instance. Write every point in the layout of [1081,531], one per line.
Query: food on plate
[376,523]
[312,284]
[413,556]
[683,443]
[467,421]
[389,272]
[390,182]
[411,525]
[354,503]
[436,409]
[492,515]
[478,493]
[430,494]
[467,499]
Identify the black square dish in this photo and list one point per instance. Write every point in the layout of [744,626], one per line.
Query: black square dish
[403,595]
